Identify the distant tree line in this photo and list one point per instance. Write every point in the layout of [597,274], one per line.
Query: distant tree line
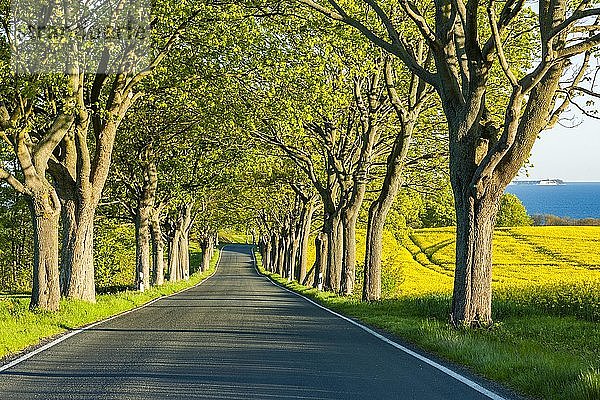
[553,220]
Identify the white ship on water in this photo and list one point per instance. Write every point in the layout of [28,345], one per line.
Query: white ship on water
[549,182]
[541,182]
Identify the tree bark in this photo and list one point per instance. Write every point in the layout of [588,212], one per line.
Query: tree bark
[158,247]
[266,256]
[320,259]
[207,246]
[79,262]
[378,211]
[294,244]
[144,211]
[174,256]
[184,255]
[281,254]
[374,246]
[408,112]
[472,297]
[334,231]
[45,212]
[68,224]
[274,252]
[349,251]
[142,246]
[304,234]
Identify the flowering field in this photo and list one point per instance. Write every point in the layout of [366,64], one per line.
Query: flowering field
[522,257]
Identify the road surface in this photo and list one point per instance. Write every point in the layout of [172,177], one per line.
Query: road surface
[236,336]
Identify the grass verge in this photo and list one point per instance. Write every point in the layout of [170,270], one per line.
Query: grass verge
[21,328]
[537,355]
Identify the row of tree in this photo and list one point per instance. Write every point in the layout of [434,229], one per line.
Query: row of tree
[473,82]
[287,115]
[123,135]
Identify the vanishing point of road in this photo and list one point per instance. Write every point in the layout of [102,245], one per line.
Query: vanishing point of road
[236,336]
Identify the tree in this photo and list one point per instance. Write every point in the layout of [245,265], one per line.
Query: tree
[32,123]
[512,212]
[408,108]
[47,126]
[438,210]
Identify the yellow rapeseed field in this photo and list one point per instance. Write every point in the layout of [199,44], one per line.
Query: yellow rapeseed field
[422,261]
[522,257]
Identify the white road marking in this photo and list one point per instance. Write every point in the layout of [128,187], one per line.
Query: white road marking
[79,330]
[475,386]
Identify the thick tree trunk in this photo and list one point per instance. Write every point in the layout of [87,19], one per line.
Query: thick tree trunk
[374,246]
[77,217]
[281,254]
[266,256]
[174,257]
[274,252]
[45,213]
[158,248]
[294,244]
[79,262]
[320,259]
[69,226]
[304,235]
[184,255]
[179,257]
[333,273]
[88,181]
[144,211]
[349,252]
[472,297]
[207,246]
[142,247]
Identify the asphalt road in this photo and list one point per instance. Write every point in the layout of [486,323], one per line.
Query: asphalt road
[237,336]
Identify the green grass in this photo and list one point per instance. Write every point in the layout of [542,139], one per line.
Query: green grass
[21,328]
[545,341]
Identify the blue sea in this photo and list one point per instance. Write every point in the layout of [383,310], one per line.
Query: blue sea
[573,199]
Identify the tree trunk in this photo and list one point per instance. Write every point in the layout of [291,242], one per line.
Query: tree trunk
[349,252]
[69,225]
[281,254]
[380,208]
[184,256]
[142,246]
[207,250]
[472,297]
[374,246]
[45,213]
[274,252]
[294,244]
[333,272]
[266,256]
[304,234]
[174,257]
[79,262]
[144,211]
[320,259]
[158,248]
[378,212]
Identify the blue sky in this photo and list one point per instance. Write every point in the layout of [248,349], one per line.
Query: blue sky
[570,154]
